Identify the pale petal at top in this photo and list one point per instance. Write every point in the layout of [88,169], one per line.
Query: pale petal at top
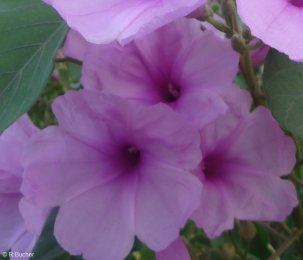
[105,21]
[276,22]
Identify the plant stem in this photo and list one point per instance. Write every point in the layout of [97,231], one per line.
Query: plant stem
[220,26]
[295,180]
[274,232]
[296,234]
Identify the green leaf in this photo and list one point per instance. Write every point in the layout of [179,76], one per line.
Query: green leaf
[31,32]
[259,245]
[283,84]
[47,245]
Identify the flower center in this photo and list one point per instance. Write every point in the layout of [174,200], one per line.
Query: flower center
[297,3]
[211,168]
[131,156]
[171,92]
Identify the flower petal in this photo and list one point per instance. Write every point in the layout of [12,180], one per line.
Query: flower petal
[176,251]
[100,223]
[58,167]
[165,199]
[216,212]
[265,198]
[278,23]
[104,21]
[11,222]
[261,145]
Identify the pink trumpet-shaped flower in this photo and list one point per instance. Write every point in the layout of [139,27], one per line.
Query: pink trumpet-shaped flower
[104,21]
[245,154]
[116,170]
[178,64]
[278,23]
[20,221]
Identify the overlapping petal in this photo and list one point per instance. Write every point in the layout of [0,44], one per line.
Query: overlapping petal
[276,22]
[102,21]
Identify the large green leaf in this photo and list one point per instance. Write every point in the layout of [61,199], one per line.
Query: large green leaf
[283,83]
[30,34]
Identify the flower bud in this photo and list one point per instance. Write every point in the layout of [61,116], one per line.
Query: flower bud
[238,43]
[228,251]
[206,13]
[247,34]
[247,230]
[228,7]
